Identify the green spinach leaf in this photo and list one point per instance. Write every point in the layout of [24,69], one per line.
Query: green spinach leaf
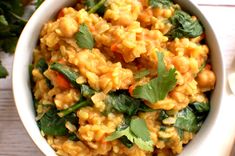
[74,107]
[87,91]
[191,118]
[184,26]
[187,120]
[180,133]
[200,107]
[158,88]
[121,102]
[67,72]
[41,65]
[84,37]
[52,124]
[160,3]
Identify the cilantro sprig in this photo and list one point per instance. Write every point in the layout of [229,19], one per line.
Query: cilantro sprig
[84,37]
[158,88]
[11,25]
[136,133]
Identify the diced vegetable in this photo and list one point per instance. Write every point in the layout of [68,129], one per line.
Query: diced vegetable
[62,82]
[184,26]
[84,37]
[74,107]
[134,135]
[160,3]
[67,72]
[158,88]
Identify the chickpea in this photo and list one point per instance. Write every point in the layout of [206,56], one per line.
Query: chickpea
[68,26]
[181,63]
[206,79]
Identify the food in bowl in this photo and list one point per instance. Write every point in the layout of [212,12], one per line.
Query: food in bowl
[127,77]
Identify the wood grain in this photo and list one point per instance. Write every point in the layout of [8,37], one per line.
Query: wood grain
[14,140]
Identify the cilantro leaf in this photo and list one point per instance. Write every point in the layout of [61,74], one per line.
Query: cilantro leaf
[3,20]
[160,3]
[84,37]
[143,140]
[8,44]
[118,134]
[139,75]
[184,26]
[145,145]
[3,71]
[11,24]
[158,88]
[139,128]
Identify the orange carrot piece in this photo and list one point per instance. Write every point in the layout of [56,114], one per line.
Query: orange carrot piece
[62,82]
[131,89]
[114,47]
[60,14]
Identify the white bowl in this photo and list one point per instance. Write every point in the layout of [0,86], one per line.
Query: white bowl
[23,57]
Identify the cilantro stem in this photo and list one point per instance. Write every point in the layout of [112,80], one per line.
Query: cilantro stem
[18,17]
[73,108]
[97,6]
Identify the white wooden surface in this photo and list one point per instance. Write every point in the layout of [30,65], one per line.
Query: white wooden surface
[14,140]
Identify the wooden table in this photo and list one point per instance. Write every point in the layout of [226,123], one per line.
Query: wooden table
[14,140]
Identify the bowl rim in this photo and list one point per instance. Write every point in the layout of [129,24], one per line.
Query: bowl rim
[39,13]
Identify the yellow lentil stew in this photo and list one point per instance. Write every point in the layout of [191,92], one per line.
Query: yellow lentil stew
[121,77]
